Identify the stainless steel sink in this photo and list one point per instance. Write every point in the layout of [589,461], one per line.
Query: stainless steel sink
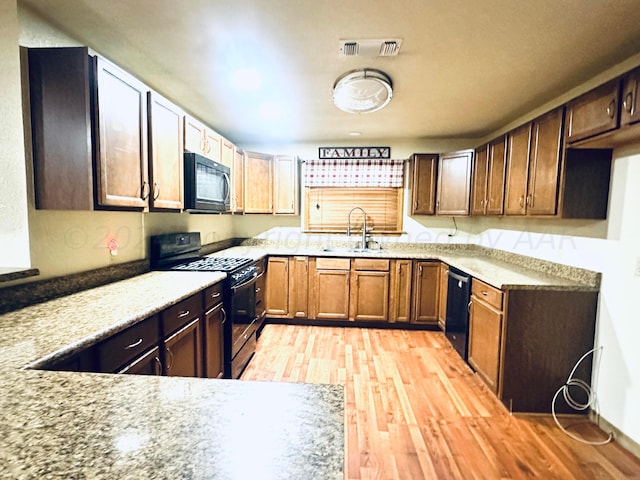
[350,250]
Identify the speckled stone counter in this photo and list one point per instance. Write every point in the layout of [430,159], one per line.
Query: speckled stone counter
[94,426]
[501,269]
[101,426]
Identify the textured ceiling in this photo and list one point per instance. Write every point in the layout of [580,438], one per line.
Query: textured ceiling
[262,71]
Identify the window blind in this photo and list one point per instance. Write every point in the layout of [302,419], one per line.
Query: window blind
[327,209]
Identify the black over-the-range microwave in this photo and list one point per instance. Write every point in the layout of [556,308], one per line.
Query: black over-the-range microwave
[207,186]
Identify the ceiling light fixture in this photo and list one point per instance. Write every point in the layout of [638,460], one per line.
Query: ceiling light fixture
[362,91]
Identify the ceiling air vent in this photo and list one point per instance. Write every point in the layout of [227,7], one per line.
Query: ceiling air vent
[370,47]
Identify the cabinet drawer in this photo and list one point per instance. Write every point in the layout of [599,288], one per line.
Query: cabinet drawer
[212,295]
[175,317]
[123,347]
[489,294]
[370,264]
[323,263]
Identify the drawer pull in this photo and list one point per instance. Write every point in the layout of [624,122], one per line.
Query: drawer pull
[216,295]
[134,344]
[184,313]
[485,293]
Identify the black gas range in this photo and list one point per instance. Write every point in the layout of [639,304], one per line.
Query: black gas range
[243,291]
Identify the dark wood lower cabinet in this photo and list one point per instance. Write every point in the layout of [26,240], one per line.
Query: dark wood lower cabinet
[147,364]
[182,354]
[214,320]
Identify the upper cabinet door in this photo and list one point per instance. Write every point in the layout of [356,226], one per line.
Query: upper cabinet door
[121,165]
[423,186]
[497,161]
[258,181]
[544,163]
[593,113]
[518,146]
[630,112]
[165,153]
[454,182]
[237,182]
[285,181]
[479,184]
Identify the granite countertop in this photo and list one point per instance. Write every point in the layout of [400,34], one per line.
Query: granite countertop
[104,426]
[499,269]
[98,426]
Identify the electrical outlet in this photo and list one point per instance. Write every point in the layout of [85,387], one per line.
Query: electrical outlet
[638,267]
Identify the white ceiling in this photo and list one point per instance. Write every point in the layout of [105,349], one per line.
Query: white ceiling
[262,71]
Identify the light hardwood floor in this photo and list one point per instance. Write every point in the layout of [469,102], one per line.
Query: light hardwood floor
[415,410]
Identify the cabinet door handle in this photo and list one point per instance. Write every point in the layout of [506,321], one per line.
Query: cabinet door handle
[530,200]
[628,102]
[522,201]
[611,108]
[469,307]
[147,188]
[134,344]
[157,366]
[156,190]
[224,315]
[184,313]
[170,364]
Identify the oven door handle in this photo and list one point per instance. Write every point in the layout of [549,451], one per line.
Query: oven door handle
[242,285]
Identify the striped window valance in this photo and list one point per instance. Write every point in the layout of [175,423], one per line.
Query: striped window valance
[374,172]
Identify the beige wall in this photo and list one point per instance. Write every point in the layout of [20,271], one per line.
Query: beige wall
[14,227]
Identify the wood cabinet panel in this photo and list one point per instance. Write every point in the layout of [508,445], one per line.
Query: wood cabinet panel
[121,123]
[60,98]
[454,183]
[227,152]
[487,293]
[485,336]
[213,351]
[277,295]
[400,290]
[479,181]
[237,182]
[299,287]
[593,113]
[630,103]
[165,153]
[518,147]
[147,364]
[258,183]
[121,348]
[423,183]
[497,163]
[182,351]
[426,287]
[330,289]
[369,296]
[285,183]
[201,139]
[442,295]
[544,163]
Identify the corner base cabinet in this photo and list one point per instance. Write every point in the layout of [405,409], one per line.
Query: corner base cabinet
[524,343]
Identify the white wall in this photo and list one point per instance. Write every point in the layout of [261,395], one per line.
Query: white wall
[14,227]
[614,251]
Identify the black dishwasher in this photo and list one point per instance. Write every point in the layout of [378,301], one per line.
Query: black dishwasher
[456,326]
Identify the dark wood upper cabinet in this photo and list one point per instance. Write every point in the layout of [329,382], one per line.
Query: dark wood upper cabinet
[518,146]
[454,183]
[544,163]
[60,109]
[120,138]
[488,184]
[497,162]
[165,153]
[479,182]
[594,113]
[423,183]
[630,107]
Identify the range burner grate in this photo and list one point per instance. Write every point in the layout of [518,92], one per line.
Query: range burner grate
[216,264]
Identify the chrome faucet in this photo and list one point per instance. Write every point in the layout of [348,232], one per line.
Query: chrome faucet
[364,226]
